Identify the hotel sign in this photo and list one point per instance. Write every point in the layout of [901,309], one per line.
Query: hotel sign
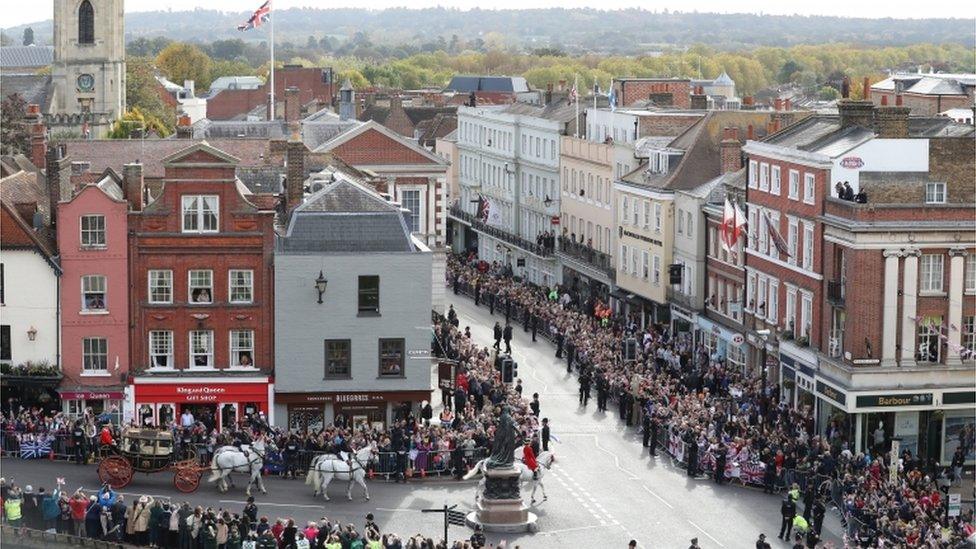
[852,162]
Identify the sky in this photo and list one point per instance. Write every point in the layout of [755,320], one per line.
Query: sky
[40,10]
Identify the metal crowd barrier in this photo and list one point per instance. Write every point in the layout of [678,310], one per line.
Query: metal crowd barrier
[19,537]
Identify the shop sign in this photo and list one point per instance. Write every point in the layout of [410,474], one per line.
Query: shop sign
[968,397]
[203,393]
[852,162]
[91,395]
[831,393]
[891,401]
[625,232]
[737,340]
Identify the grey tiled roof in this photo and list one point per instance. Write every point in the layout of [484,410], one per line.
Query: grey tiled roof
[26,56]
[466,84]
[205,128]
[347,232]
[261,179]
[346,217]
[34,88]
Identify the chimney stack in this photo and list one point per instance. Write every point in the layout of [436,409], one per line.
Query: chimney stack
[294,174]
[731,150]
[134,186]
[777,104]
[856,113]
[38,135]
[184,128]
[293,104]
[891,122]
[750,133]
[347,101]
[787,105]
[866,93]
[58,176]
[699,101]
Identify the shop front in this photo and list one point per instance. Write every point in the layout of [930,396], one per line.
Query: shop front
[104,403]
[802,393]
[722,343]
[217,402]
[312,411]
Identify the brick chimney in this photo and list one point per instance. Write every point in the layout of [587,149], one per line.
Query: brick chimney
[58,174]
[293,104]
[699,101]
[866,93]
[856,113]
[750,133]
[396,103]
[787,105]
[777,104]
[891,122]
[294,174]
[134,186]
[184,128]
[731,150]
[38,135]
[748,103]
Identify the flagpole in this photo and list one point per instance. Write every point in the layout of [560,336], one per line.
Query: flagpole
[271,110]
[576,102]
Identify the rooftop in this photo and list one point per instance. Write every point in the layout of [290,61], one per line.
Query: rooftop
[346,216]
[467,84]
[25,57]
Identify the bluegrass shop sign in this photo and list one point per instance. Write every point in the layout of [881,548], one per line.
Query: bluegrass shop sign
[891,401]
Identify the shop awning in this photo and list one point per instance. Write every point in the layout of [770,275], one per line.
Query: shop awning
[92,395]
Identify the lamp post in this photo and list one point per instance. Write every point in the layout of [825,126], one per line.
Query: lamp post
[321,283]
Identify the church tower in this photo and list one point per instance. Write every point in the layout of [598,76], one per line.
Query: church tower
[89,66]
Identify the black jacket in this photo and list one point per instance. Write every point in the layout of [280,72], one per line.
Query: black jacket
[507,333]
[788,508]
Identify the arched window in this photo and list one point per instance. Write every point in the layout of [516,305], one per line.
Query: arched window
[86,23]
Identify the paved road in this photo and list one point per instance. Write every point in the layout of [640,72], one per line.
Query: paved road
[603,490]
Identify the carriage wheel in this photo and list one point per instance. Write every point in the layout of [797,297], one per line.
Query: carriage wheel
[115,471]
[187,480]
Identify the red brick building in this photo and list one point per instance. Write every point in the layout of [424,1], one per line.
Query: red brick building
[675,92]
[926,94]
[202,296]
[314,84]
[870,296]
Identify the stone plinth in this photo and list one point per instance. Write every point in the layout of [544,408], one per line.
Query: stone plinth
[500,508]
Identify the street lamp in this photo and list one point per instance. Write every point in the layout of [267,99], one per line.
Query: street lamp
[320,284]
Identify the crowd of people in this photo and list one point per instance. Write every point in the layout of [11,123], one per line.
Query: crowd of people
[725,418]
[166,524]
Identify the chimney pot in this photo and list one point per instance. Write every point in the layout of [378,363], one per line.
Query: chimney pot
[750,133]
[777,104]
[787,105]
[898,100]
[867,88]
[33,110]
[884,100]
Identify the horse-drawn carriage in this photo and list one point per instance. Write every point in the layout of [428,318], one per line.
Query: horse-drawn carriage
[148,451]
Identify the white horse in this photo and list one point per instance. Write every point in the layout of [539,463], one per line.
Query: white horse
[544,460]
[230,459]
[328,466]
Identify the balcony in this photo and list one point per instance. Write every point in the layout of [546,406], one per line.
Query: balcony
[477,224]
[835,292]
[586,254]
[869,374]
[683,300]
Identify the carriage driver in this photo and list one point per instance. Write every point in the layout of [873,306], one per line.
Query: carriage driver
[528,458]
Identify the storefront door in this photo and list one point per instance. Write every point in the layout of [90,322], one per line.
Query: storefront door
[205,413]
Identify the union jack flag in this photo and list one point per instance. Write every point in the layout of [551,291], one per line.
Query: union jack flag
[260,16]
[35,448]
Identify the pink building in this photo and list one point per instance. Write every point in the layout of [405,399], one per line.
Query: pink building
[92,232]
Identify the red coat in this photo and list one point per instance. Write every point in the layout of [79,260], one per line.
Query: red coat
[528,457]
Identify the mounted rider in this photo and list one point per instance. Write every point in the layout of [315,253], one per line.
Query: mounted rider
[528,458]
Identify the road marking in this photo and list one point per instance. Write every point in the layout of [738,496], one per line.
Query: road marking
[616,460]
[273,504]
[651,492]
[702,530]
[576,529]
[396,509]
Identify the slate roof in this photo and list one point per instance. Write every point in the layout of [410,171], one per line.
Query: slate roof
[823,133]
[208,129]
[701,143]
[34,88]
[26,56]
[324,125]
[262,179]
[347,217]
[236,83]
[467,84]
[927,83]
[27,187]
[415,114]
[115,153]
[558,111]
[436,128]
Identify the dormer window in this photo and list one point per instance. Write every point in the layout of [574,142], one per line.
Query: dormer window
[200,214]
